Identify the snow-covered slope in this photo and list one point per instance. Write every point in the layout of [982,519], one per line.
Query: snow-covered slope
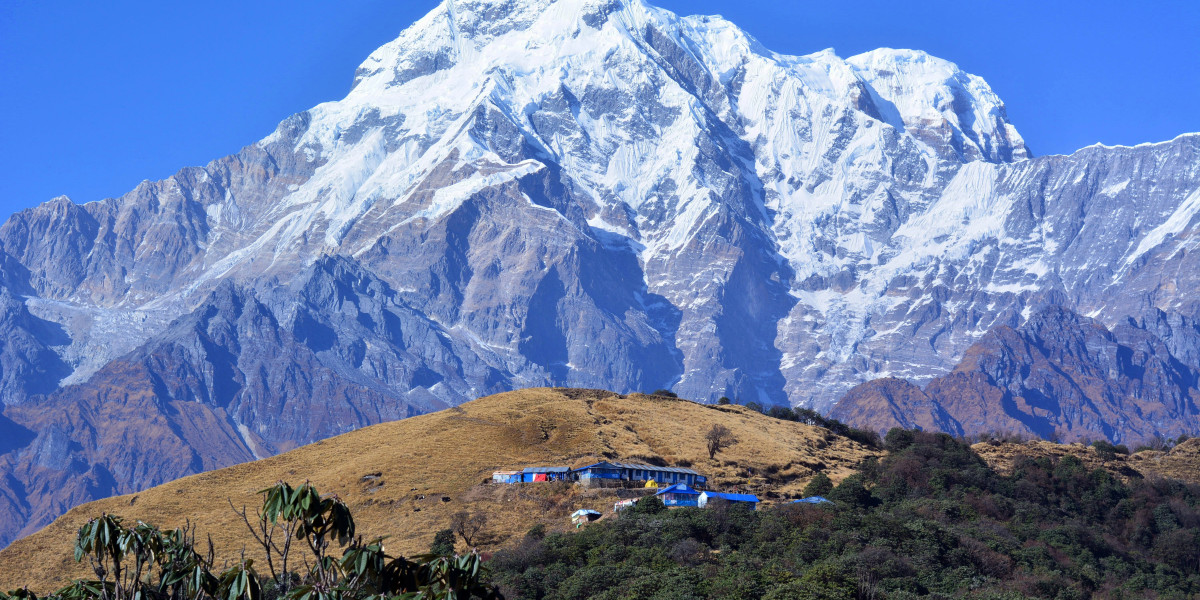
[601,193]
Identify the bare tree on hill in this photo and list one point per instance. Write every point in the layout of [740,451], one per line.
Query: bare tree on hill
[718,438]
[468,525]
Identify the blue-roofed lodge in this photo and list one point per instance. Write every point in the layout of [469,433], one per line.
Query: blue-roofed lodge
[612,473]
[679,495]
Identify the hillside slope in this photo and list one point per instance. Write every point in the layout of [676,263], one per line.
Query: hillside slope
[405,479]
[1181,462]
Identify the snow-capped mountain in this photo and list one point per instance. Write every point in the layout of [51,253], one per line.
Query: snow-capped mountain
[593,193]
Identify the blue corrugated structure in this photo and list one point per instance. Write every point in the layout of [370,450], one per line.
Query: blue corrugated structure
[600,470]
[506,477]
[679,495]
[813,500]
[706,497]
[535,474]
[637,472]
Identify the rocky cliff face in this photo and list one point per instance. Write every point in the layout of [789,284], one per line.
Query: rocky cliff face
[1058,376]
[593,193]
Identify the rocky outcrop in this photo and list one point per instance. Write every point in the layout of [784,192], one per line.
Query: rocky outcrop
[1059,376]
[223,385]
[883,404]
[28,364]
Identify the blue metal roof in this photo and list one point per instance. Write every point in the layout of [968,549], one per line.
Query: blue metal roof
[733,497]
[679,488]
[654,468]
[599,465]
[614,465]
[813,500]
[546,469]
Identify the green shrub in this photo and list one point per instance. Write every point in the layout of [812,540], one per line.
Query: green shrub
[536,532]
[820,485]
[898,439]
[443,542]
[782,413]
[1107,451]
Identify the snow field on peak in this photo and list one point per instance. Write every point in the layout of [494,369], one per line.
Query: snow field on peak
[784,102]
[1178,222]
[922,87]
[550,48]
[656,125]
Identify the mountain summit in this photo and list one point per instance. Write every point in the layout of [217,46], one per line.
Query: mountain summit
[583,193]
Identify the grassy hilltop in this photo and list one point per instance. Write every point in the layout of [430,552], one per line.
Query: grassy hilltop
[405,479]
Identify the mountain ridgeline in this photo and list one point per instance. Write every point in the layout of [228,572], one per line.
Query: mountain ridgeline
[591,193]
[1057,376]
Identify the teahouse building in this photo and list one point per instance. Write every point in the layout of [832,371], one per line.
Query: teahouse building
[614,472]
[679,495]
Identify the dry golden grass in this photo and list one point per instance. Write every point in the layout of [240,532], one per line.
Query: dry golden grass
[431,466]
[1182,462]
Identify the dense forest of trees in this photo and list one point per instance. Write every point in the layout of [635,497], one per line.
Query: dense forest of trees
[929,520]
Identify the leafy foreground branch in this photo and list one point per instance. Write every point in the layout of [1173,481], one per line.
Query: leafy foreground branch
[143,562]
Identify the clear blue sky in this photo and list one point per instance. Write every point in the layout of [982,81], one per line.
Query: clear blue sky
[97,96]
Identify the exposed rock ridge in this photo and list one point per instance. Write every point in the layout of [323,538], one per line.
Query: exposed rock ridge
[1058,376]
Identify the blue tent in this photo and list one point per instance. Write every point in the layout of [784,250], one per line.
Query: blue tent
[705,497]
[679,495]
[813,500]
[583,516]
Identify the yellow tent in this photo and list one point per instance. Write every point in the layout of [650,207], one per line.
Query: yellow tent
[652,484]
